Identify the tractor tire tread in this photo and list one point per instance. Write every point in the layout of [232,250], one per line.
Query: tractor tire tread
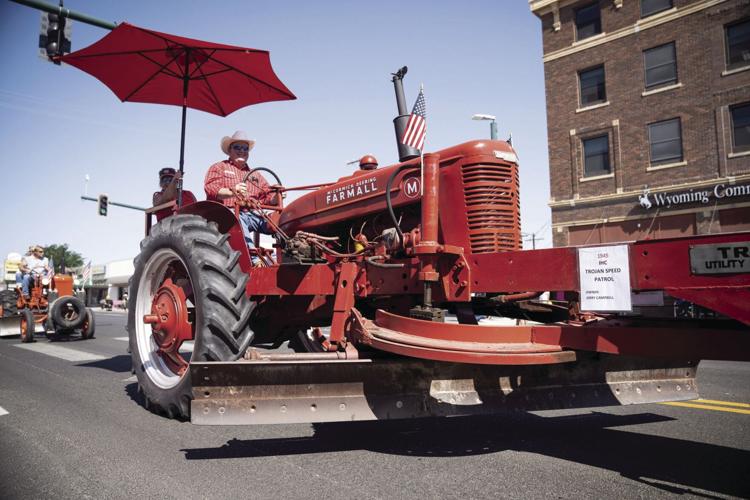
[222,327]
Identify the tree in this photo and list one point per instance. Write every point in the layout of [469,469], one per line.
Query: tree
[61,254]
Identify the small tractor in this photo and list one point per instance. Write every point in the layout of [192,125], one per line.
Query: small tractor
[366,273]
[51,308]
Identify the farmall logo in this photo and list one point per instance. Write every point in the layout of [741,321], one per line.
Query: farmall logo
[355,190]
[704,196]
[412,187]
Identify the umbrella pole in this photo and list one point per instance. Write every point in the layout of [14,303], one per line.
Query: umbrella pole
[185,82]
[182,151]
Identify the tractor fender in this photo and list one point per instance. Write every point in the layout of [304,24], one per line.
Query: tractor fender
[227,223]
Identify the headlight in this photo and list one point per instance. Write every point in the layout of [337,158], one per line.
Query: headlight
[45,281]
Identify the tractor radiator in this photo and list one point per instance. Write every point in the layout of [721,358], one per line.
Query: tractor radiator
[493,215]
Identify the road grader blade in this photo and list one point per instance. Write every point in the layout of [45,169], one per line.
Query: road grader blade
[10,326]
[308,391]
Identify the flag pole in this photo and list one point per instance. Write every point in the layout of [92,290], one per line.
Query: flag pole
[421,157]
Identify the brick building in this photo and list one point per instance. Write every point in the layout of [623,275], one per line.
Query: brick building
[648,110]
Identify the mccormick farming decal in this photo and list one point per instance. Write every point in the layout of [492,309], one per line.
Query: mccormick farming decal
[667,200]
[356,189]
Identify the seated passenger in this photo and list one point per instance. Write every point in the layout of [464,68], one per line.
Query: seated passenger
[168,182]
[32,266]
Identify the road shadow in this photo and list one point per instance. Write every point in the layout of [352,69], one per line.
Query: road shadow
[674,465]
[118,364]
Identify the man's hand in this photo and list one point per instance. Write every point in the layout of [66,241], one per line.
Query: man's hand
[240,188]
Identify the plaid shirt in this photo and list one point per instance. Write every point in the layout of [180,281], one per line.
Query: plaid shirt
[227,174]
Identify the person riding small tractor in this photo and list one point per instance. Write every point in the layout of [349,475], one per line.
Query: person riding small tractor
[50,305]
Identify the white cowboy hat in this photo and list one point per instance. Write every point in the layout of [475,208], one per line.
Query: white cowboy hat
[239,136]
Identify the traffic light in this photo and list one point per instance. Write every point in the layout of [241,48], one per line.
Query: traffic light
[103,204]
[54,36]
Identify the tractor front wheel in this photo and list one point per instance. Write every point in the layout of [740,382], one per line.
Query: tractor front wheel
[89,325]
[27,326]
[187,286]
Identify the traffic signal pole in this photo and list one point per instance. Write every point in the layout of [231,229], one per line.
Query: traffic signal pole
[124,205]
[67,13]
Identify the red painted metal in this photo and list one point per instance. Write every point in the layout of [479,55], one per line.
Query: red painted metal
[452,331]
[428,246]
[493,214]
[654,265]
[227,223]
[430,199]
[320,210]
[459,343]
[170,324]
[343,302]
[686,342]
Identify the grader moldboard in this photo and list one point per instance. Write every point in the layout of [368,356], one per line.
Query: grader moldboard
[380,256]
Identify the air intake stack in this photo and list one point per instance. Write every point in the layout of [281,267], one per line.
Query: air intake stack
[404,152]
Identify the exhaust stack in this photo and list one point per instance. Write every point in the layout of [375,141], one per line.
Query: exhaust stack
[404,152]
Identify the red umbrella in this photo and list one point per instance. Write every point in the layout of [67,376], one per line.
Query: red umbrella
[142,65]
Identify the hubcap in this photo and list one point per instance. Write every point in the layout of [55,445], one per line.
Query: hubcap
[164,317]
[170,324]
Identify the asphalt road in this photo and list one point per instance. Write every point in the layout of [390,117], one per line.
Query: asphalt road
[75,428]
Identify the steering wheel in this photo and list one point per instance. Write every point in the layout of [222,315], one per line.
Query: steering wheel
[256,169]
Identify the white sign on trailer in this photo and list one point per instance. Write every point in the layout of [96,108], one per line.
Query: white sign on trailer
[604,276]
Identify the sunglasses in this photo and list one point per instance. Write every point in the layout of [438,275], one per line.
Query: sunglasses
[239,147]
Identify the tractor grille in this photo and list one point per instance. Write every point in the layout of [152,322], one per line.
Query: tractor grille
[492,207]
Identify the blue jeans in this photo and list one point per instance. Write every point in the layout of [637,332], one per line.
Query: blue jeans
[251,223]
[27,280]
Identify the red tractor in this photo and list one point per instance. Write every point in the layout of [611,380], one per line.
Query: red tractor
[380,256]
[50,308]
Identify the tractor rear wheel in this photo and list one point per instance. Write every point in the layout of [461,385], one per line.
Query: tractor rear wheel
[187,286]
[27,326]
[8,303]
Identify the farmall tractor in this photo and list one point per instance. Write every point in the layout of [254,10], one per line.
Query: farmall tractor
[51,308]
[383,258]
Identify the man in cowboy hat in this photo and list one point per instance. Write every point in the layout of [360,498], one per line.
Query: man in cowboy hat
[225,183]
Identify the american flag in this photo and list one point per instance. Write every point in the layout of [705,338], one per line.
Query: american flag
[416,127]
[86,273]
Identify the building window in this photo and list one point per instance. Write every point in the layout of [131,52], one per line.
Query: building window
[651,7]
[596,156]
[740,127]
[665,140]
[591,83]
[738,44]
[660,64]
[588,21]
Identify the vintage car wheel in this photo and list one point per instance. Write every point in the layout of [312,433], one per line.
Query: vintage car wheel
[27,326]
[187,285]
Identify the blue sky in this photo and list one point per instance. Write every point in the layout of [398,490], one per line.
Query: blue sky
[58,124]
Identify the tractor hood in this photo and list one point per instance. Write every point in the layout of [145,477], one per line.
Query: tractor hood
[363,193]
